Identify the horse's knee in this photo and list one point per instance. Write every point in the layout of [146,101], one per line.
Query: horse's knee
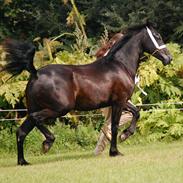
[24,129]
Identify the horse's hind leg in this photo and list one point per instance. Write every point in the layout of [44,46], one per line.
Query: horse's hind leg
[21,133]
[45,114]
[49,137]
[40,117]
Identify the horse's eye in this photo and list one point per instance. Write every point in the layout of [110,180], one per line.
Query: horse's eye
[156,35]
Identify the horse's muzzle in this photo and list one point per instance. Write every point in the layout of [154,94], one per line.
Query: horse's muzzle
[167,59]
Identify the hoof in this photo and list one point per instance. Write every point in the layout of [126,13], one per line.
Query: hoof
[115,153]
[23,163]
[46,146]
[122,137]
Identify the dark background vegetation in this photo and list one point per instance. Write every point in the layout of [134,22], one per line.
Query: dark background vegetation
[45,18]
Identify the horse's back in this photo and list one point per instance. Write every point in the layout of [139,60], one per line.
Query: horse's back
[84,87]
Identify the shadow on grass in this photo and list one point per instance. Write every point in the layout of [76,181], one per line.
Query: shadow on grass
[47,158]
[62,157]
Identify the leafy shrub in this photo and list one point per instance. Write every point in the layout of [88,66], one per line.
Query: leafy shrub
[158,125]
[8,141]
[163,85]
[84,137]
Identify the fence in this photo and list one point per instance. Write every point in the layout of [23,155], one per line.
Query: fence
[91,115]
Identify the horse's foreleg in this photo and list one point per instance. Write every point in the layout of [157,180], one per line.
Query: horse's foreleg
[21,133]
[49,137]
[131,129]
[116,113]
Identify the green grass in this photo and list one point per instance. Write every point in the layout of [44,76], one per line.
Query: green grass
[152,163]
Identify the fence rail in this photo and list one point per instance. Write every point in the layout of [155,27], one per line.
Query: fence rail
[91,115]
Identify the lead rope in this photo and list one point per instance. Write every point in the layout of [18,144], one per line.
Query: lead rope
[137,81]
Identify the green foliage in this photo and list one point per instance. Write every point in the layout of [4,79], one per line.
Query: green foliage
[179,31]
[12,92]
[163,85]
[8,141]
[117,14]
[161,125]
[75,58]
[30,19]
[160,82]
[84,137]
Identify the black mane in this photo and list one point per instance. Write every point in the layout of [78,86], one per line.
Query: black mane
[117,46]
[129,32]
[140,26]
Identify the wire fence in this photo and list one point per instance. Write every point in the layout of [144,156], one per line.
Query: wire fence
[92,115]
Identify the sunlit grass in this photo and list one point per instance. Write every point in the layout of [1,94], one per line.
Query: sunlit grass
[153,163]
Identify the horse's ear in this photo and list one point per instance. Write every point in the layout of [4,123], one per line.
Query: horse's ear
[149,23]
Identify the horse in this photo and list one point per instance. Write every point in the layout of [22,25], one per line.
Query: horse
[105,134]
[54,90]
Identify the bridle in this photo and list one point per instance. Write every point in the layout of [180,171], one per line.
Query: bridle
[157,46]
[154,40]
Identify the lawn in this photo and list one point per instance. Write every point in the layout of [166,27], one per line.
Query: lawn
[152,163]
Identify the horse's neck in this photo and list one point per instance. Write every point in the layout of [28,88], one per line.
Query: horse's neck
[129,55]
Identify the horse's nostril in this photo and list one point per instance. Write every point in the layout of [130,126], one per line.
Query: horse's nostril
[170,57]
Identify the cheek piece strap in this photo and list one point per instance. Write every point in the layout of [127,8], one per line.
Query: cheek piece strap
[154,40]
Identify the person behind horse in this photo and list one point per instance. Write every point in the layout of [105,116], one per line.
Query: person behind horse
[105,135]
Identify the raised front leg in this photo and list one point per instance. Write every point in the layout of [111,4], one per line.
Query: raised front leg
[131,129]
[21,133]
[116,113]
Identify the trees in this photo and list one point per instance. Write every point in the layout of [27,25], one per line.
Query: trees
[116,14]
[30,19]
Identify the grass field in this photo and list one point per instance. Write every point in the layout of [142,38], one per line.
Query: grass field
[153,163]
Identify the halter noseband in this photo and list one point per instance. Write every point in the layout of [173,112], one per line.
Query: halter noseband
[154,40]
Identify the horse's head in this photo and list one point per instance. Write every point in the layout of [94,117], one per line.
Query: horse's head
[154,45]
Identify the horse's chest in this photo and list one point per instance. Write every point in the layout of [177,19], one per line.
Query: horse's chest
[122,90]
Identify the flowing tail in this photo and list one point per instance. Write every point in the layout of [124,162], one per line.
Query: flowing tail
[19,57]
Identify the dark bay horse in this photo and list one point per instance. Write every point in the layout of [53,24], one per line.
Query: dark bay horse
[54,90]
